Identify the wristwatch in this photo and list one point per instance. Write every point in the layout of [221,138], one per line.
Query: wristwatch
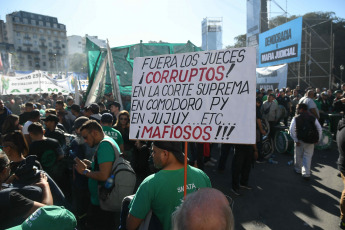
[85,172]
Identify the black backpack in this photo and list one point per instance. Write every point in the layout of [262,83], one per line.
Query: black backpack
[306,129]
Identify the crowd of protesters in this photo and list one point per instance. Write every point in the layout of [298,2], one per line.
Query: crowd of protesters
[59,139]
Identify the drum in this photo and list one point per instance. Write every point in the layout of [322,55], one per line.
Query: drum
[283,142]
[326,140]
[333,122]
[265,126]
[267,147]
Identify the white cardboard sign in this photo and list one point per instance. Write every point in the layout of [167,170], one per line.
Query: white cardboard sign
[206,96]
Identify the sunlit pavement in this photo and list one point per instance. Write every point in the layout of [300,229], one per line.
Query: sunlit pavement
[282,199]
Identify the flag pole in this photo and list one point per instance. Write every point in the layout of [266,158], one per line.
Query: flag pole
[185,168]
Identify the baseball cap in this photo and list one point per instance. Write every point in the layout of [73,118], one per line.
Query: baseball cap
[107,118]
[69,98]
[94,108]
[49,217]
[338,91]
[79,122]
[52,117]
[174,147]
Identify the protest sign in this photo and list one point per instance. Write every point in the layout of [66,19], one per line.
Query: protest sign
[204,96]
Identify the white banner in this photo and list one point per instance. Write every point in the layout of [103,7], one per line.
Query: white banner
[197,97]
[272,77]
[32,83]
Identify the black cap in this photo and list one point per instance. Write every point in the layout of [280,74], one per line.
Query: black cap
[52,117]
[79,122]
[75,107]
[94,108]
[173,147]
[116,104]
[107,118]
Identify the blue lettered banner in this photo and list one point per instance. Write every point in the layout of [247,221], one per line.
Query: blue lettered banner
[281,45]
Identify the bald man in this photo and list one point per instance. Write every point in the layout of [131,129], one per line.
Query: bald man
[204,209]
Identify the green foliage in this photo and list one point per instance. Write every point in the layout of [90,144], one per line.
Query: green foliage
[240,41]
[77,62]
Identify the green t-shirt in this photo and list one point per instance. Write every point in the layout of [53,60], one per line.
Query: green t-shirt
[113,133]
[105,153]
[163,192]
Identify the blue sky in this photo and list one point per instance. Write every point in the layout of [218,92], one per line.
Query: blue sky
[127,22]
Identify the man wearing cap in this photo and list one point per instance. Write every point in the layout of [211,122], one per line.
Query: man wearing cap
[93,109]
[107,122]
[163,192]
[52,131]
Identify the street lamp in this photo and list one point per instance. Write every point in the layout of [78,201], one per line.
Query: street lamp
[55,63]
[341,74]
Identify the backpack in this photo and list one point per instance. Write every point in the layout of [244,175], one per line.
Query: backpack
[124,182]
[306,129]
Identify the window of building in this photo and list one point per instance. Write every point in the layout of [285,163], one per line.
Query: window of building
[47,24]
[35,35]
[50,44]
[62,27]
[16,19]
[41,31]
[33,22]
[48,32]
[29,56]
[55,25]
[35,43]
[44,57]
[40,23]
[19,41]
[49,38]
[62,34]
[18,33]
[54,20]
[44,63]
[55,33]
[25,20]
[40,17]
[63,46]
[30,63]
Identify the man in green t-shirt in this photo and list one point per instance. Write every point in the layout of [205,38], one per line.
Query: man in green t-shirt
[163,191]
[107,123]
[101,166]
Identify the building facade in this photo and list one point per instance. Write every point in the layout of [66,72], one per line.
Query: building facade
[212,33]
[77,44]
[40,41]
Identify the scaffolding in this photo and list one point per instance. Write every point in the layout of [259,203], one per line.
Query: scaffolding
[317,54]
[212,33]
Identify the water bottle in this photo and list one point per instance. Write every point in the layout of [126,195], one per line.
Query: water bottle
[109,182]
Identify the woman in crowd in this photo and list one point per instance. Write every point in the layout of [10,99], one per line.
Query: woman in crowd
[11,124]
[122,125]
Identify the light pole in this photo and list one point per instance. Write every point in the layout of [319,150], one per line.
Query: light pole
[56,63]
[341,74]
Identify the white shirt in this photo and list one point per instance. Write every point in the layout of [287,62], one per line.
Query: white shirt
[26,126]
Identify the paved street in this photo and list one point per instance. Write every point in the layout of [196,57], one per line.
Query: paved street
[281,199]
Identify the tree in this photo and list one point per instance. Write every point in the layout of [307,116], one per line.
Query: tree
[77,62]
[240,41]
